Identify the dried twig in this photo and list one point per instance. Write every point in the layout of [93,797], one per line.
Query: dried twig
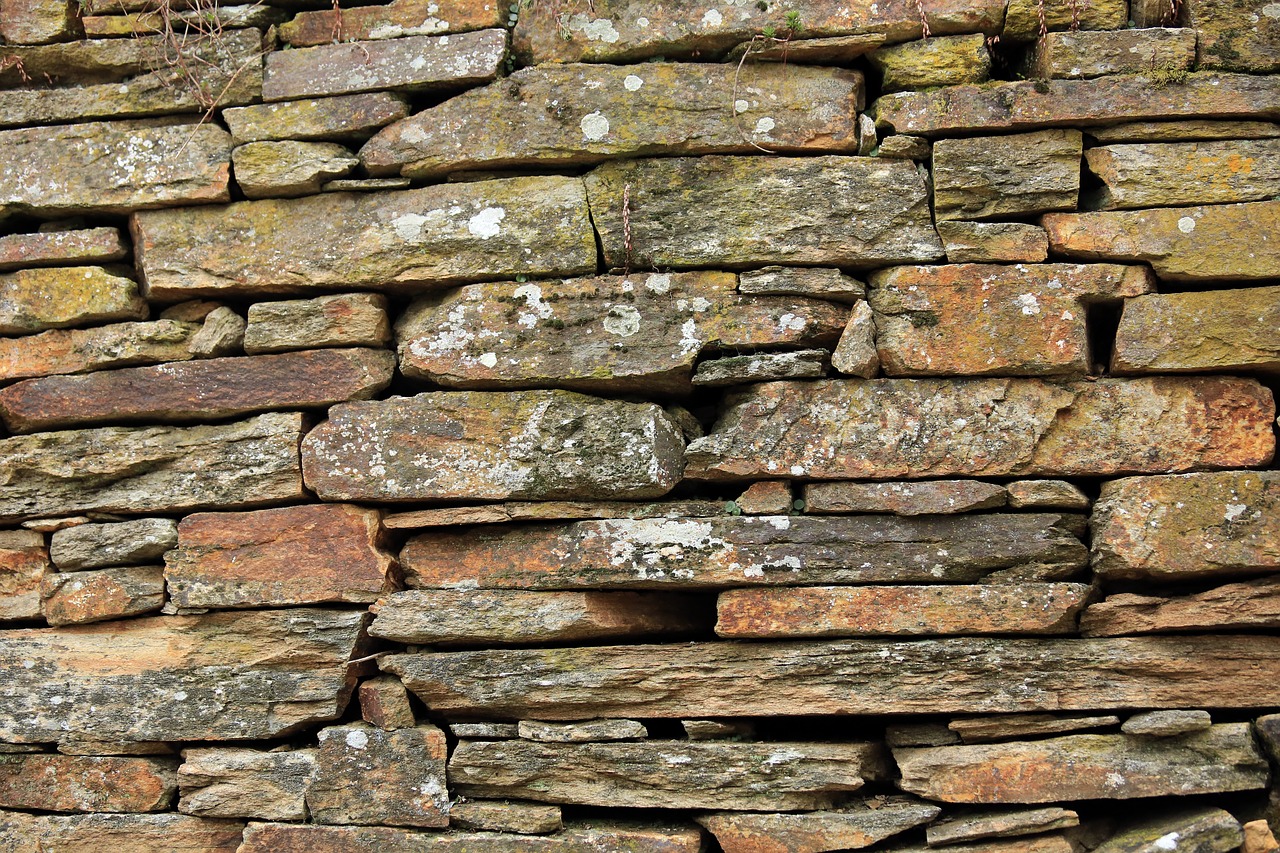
[626,230]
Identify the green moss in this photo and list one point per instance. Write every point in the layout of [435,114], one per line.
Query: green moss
[923,319]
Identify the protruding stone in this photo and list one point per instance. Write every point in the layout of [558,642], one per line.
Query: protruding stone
[397,19]
[761,367]
[855,354]
[1199,830]
[341,320]
[385,703]
[1232,330]
[768,497]
[1022,18]
[287,169]
[1002,176]
[935,497]
[1093,53]
[853,827]
[919,734]
[37,299]
[1183,173]
[586,731]
[903,147]
[1167,723]
[63,351]
[587,838]
[718,729]
[504,816]
[1250,605]
[221,335]
[119,833]
[71,598]
[125,543]
[993,242]
[366,775]
[1258,838]
[1014,726]
[345,118]
[818,282]
[237,782]
[1000,824]
[62,248]
[1046,494]
[946,61]
[1238,35]
[24,562]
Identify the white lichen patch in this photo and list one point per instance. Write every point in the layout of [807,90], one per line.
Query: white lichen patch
[594,126]
[600,29]
[632,83]
[765,125]
[622,320]
[712,18]
[488,359]
[1186,225]
[658,282]
[536,309]
[357,739]
[409,226]
[487,223]
[1028,303]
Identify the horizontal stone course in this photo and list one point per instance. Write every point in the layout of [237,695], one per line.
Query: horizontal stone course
[1208,331]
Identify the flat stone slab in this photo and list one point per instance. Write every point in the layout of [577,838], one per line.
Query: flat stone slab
[72,598]
[439,235]
[239,782]
[64,351]
[852,827]
[1230,330]
[1248,605]
[990,177]
[821,283]
[747,211]
[598,837]
[121,833]
[1095,53]
[62,248]
[224,676]
[500,513]
[1184,130]
[587,731]
[504,816]
[341,320]
[993,242]
[86,783]
[933,497]
[1046,494]
[985,427]
[765,367]
[478,445]
[1022,17]
[999,824]
[1167,723]
[289,169]
[397,19]
[54,298]
[344,118]
[1188,830]
[1170,174]
[1014,726]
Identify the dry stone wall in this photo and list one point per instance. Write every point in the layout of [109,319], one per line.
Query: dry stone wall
[612,425]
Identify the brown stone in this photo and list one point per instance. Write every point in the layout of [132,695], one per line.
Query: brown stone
[192,390]
[345,118]
[24,562]
[945,61]
[495,816]
[965,428]
[936,497]
[125,543]
[585,731]
[201,20]
[70,598]
[853,827]
[1013,726]
[919,734]
[990,177]
[36,21]
[768,497]
[855,354]
[575,838]
[1183,173]
[1258,838]
[288,168]
[238,782]
[119,833]
[65,783]
[1240,35]
[63,351]
[385,703]
[1022,18]
[1215,330]
[394,20]
[1193,830]
[901,146]
[1092,53]
[718,729]
[1046,494]
[366,775]
[1249,605]
[279,557]
[818,282]
[62,248]
[37,299]
[993,242]
[1001,824]
[829,50]
[1186,130]
[222,334]
[549,511]
[341,320]
[1167,723]
[1036,844]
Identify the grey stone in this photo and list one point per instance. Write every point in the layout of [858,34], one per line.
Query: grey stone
[585,731]
[1093,53]
[1195,830]
[222,334]
[856,353]
[762,367]
[96,546]
[1001,824]
[364,775]
[1166,723]
[346,118]
[818,282]
[288,168]
[249,783]
[993,176]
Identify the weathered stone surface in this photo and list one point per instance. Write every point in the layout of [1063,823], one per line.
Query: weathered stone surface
[763,367]
[1200,830]
[718,729]
[936,497]
[1240,35]
[385,703]
[829,50]
[70,598]
[1188,527]
[362,185]
[1046,494]
[919,734]
[62,248]
[606,334]
[341,320]
[1258,838]
[853,827]
[478,445]
[66,783]
[237,782]
[659,108]
[855,354]
[63,351]
[1022,18]
[151,469]
[494,816]
[414,64]
[485,731]
[768,497]
[1024,105]
[77,745]
[1095,53]
[1196,332]
[216,677]
[287,169]
[1035,844]
[999,825]
[24,562]
[36,21]
[990,177]
[1250,605]
[1012,726]
[394,20]
[209,388]
[345,118]
[1186,130]
[574,838]
[946,61]
[902,146]
[963,675]
[202,20]
[586,731]
[37,299]
[881,611]
[744,551]
[1183,173]
[535,226]
[1085,767]
[501,617]
[550,511]
[993,242]
[278,557]
[667,774]
[746,211]
[990,427]
[818,282]
[1167,723]
[125,543]
[222,334]
[988,319]
[119,833]
[113,167]
[367,775]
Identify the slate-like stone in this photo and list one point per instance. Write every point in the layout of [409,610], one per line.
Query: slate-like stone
[566,115]
[963,675]
[1240,35]
[279,557]
[903,428]
[574,838]
[503,816]
[199,20]
[124,543]
[396,19]
[1185,130]
[74,783]
[70,598]
[1014,726]
[901,145]
[239,782]
[744,551]
[1000,824]
[608,334]
[586,731]
[762,367]
[197,390]
[667,774]
[225,676]
[818,282]
[1094,53]
[503,617]
[366,775]
[62,248]
[385,703]
[1195,830]
[746,211]
[945,61]
[1168,174]
[550,511]
[990,177]
[919,734]
[1188,527]
[63,351]
[24,562]
[37,299]
[718,729]
[288,169]
[849,828]
[119,833]
[1167,723]
[484,445]
[1046,494]
[993,242]
[1022,17]
[1033,844]
[111,167]
[485,731]
[1248,606]
[935,497]
[439,235]
[413,64]
[855,354]
[825,50]
[341,320]
[1232,330]
[152,469]
[344,118]
[36,21]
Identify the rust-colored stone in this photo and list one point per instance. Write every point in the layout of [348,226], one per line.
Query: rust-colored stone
[24,562]
[62,248]
[366,775]
[63,351]
[119,833]
[70,598]
[86,783]
[768,497]
[342,320]
[396,19]
[385,703]
[1249,605]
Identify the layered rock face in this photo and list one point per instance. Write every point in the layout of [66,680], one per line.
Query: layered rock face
[588,426]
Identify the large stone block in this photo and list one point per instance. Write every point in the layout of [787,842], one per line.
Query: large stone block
[993,177]
[342,320]
[345,118]
[119,833]
[945,61]
[54,298]
[1022,17]
[1095,53]
[365,775]
[1238,35]
[1230,330]
[86,783]
[239,782]
[597,837]
[928,497]
[63,351]
[1170,174]
[1203,830]
[396,19]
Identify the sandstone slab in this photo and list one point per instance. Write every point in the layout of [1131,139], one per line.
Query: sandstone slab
[1035,844]
[818,282]
[341,320]
[586,731]
[1240,35]
[933,497]
[767,497]
[288,169]
[502,816]
[990,177]
[746,211]
[1248,605]
[1233,330]
[1094,53]
[397,19]
[574,838]
[344,118]
[69,598]
[1014,726]
[1022,17]
[124,543]
[201,20]
[36,21]
[222,676]
[62,248]
[762,367]
[549,511]
[239,782]
[945,61]
[63,351]
[534,226]
[947,427]
[385,703]
[1195,830]
[75,783]
[1167,723]
[1168,174]
[37,299]
[1186,130]
[825,50]
[1000,824]
[993,242]
[24,562]
[812,832]
[1046,494]
[120,833]
[478,445]
[366,775]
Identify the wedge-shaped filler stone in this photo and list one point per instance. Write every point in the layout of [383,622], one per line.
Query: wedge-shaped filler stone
[851,827]
[217,677]
[904,428]
[596,837]
[438,235]
[482,445]
[1231,330]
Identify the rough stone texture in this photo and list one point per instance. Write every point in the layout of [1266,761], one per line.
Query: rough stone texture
[549,511]
[68,783]
[125,543]
[191,390]
[503,617]
[605,334]
[36,21]
[871,611]
[829,50]
[1186,130]
[222,334]
[902,428]
[150,469]
[342,320]
[366,775]
[1240,35]
[946,61]
[1013,726]
[855,354]
[485,731]
[718,729]
[279,557]
[745,551]
[133,24]
[999,824]
[1231,330]
[768,497]
[1036,844]
[37,299]
[1022,18]
[989,177]
[178,677]
[238,782]
[764,367]
[493,816]
[1184,173]
[575,838]
[659,108]
[536,226]
[993,242]
[1197,830]
[112,167]
[1046,494]
[70,598]
[413,64]
[24,562]
[849,828]
[587,731]
[937,497]
[667,774]
[62,248]
[385,703]
[1258,838]
[1188,527]
[902,146]
[478,445]
[747,211]
[1249,605]
[63,351]
[288,169]
[119,833]
[345,118]
[1094,53]
[1166,723]
[394,20]
[817,282]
